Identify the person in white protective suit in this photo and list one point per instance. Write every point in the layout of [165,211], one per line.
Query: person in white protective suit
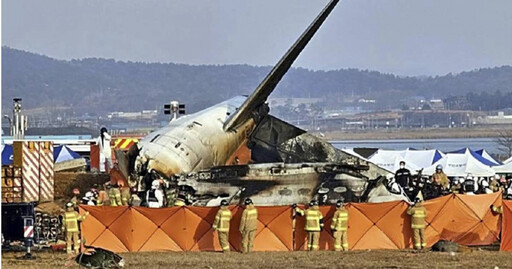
[155,196]
[105,150]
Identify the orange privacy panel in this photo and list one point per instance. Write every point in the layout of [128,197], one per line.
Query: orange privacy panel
[384,219]
[396,225]
[464,219]
[159,241]
[506,235]
[276,229]
[156,215]
[358,225]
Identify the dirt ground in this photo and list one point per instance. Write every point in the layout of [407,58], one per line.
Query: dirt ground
[299,259]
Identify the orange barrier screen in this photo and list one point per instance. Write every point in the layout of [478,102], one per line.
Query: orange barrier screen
[506,233]
[464,219]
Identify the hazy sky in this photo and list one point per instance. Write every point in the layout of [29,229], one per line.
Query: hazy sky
[405,37]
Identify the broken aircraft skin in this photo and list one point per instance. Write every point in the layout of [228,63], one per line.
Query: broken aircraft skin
[207,142]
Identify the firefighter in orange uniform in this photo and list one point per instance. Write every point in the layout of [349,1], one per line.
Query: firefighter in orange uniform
[419,214]
[221,225]
[70,226]
[314,224]
[248,225]
[339,226]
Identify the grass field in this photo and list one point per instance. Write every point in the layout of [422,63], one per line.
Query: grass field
[299,259]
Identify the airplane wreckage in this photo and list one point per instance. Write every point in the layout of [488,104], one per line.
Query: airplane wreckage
[235,149]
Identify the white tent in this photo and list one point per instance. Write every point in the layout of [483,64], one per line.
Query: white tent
[414,159]
[390,160]
[423,158]
[460,165]
[509,160]
[353,153]
[503,169]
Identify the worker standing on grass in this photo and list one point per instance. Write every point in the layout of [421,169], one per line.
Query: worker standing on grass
[155,196]
[248,225]
[124,191]
[339,227]
[114,195]
[221,225]
[419,214]
[314,223]
[70,226]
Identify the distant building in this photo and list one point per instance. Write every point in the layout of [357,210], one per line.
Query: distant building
[436,104]
[457,103]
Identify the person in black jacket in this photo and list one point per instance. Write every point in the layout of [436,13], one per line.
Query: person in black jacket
[403,176]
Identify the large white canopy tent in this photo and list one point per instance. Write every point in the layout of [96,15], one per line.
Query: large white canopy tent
[504,169]
[414,159]
[460,165]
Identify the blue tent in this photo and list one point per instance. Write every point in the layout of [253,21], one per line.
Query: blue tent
[487,156]
[477,156]
[63,153]
[7,155]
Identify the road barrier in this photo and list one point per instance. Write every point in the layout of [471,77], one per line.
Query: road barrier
[464,219]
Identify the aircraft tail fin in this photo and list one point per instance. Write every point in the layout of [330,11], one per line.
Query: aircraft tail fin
[260,95]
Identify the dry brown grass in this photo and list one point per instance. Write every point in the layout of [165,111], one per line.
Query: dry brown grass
[299,259]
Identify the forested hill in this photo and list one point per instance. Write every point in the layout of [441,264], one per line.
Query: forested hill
[101,85]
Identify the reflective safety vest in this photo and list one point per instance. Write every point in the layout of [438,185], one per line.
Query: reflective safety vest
[314,219]
[249,221]
[469,185]
[340,220]
[114,196]
[169,196]
[222,219]
[125,195]
[179,202]
[70,221]
[441,179]
[152,197]
[419,214]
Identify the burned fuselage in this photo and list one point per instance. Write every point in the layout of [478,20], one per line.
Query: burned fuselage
[271,184]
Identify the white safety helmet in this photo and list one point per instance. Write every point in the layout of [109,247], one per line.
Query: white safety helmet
[496,176]
[89,194]
[155,184]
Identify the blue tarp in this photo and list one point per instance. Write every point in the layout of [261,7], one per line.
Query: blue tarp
[63,153]
[7,157]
